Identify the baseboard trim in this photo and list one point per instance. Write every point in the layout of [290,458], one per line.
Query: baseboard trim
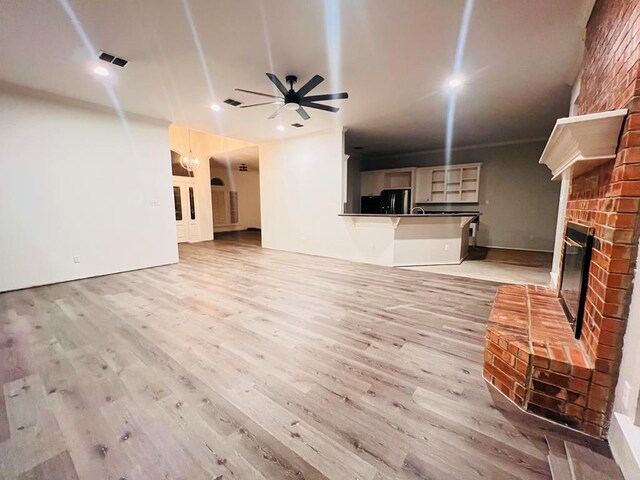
[624,440]
[516,248]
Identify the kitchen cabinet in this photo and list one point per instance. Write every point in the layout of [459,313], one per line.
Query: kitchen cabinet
[448,184]
[398,178]
[371,182]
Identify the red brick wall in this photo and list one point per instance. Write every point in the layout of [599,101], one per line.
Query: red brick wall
[608,197]
[612,58]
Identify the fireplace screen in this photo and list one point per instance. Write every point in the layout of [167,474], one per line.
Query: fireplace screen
[578,242]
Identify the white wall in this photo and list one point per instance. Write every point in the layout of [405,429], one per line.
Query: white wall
[301,195]
[518,200]
[74,180]
[630,365]
[624,434]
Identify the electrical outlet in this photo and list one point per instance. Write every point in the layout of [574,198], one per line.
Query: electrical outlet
[446,247]
[155,203]
[626,393]
[76,259]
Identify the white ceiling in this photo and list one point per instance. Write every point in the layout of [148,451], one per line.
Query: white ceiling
[391,56]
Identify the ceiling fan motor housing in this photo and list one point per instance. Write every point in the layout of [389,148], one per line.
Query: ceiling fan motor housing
[299,100]
[292,99]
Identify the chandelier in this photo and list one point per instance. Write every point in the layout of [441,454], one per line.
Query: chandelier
[189,161]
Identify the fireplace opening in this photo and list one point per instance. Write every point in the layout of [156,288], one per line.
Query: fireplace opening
[578,243]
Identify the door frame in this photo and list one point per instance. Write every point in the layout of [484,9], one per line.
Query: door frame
[192,227]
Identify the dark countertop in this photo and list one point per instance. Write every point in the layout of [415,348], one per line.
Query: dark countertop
[426,214]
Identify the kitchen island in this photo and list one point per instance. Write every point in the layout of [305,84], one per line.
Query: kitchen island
[432,238]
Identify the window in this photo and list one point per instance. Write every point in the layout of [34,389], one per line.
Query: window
[177,202]
[192,203]
[217,182]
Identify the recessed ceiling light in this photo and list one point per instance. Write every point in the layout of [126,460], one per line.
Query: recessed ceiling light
[215,107]
[101,71]
[280,128]
[455,82]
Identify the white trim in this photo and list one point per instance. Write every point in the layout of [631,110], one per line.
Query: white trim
[582,142]
[560,226]
[457,149]
[517,248]
[624,440]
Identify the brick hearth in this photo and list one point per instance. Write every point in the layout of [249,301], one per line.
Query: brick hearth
[533,358]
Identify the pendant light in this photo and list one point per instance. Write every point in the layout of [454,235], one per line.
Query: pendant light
[190,162]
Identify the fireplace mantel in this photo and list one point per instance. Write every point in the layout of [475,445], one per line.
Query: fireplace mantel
[582,142]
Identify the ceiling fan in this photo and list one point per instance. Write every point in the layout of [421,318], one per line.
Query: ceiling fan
[298,101]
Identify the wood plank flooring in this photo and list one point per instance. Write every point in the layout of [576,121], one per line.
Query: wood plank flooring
[247,363]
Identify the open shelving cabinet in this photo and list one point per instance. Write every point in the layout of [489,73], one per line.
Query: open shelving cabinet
[448,184]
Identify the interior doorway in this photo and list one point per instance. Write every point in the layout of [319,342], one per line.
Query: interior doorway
[235,195]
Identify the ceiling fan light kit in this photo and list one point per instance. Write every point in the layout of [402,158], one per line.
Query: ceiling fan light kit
[296,100]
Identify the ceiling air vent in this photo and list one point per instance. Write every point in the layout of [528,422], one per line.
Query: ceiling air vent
[232,102]
[107,57]
[297,125]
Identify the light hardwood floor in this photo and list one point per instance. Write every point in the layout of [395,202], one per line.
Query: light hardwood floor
[244,363]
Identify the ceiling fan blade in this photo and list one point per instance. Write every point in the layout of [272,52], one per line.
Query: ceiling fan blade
[310,85]
[258,104]
[277,112]
[302,112]
[319,106]
[276,81]
[257,93]
[328,96]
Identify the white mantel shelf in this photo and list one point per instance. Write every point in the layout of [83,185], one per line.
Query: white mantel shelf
[582,142]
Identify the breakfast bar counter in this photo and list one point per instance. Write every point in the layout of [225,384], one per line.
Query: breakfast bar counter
[432,238]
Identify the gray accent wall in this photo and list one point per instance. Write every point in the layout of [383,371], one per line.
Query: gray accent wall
[518,200]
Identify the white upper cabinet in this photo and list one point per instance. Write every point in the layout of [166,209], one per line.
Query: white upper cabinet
[448,184]
[371,182]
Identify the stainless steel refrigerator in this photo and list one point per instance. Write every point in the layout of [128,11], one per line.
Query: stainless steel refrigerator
[395,201]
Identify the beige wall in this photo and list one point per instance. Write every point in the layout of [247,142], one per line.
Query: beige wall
[518,200]
[204,145]
[247,184]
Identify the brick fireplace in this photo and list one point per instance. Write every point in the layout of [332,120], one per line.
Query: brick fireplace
[531,354]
